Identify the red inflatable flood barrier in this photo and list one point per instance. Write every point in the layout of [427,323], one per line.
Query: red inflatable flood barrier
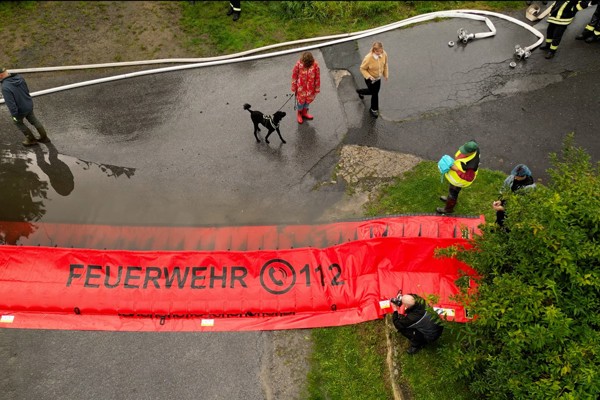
[234,238]
[220,290]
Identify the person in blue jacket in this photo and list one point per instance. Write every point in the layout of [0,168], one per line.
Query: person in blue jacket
[20,104]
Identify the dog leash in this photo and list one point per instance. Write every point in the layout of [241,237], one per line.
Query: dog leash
[289,98]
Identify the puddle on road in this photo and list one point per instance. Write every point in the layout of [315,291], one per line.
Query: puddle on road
[39,181]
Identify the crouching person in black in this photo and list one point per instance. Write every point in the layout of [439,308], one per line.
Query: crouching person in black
[415,322]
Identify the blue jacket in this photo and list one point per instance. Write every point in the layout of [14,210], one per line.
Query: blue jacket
[16,95]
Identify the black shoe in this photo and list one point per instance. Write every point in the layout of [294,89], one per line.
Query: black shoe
[545,47]
[360,92]
[444,198]
[590,39]
[442,210]
[29,142]
[549,55]
[581,36]
[44,139]
[413,349]
[374,113]
[230,11]
[236,15]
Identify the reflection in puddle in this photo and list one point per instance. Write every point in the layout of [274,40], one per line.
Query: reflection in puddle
[29,179]
[60,175]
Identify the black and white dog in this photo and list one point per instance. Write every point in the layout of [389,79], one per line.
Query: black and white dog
[268,121]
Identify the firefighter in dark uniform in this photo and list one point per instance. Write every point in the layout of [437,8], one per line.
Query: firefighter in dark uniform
[591,32]
[415,323]
[235,8]
[561,15]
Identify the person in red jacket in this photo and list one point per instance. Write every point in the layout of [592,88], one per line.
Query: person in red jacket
[306,84]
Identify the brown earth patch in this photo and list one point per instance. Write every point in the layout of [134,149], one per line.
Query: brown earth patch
[58,33]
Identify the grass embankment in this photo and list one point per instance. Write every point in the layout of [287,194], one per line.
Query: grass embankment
[341,354]
[210,32]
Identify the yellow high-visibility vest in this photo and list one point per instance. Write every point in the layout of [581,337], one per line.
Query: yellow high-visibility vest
[452,176]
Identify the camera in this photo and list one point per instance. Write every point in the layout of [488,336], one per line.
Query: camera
[397,301]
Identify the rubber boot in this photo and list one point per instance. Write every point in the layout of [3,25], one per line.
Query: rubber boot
[43,136]
[590,39]
[550,54]
[306,115]
[44,139]
[236,15]
[448,209]
[584,35]
[29,141]
[230,11]
[299,116]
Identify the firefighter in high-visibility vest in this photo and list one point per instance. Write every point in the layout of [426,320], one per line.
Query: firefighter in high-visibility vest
[561,15]
[462,173]
[591,32]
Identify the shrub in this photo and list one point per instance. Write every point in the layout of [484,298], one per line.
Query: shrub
[537,330]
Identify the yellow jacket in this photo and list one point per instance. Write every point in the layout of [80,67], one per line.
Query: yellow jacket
[372,68]
[466,175]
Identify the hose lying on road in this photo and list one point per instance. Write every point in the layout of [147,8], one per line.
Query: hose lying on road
[244,56]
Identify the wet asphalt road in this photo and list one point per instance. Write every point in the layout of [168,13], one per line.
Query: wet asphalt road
[177,149]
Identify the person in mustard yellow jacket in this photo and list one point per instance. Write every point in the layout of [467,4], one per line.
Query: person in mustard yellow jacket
[373,68]
[462,174]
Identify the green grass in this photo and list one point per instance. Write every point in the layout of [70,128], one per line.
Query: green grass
[348,362]
[425,373]
[211,32]
[419,189]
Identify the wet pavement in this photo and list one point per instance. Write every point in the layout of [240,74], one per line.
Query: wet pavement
[177,149]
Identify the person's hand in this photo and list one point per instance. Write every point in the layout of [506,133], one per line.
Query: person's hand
[385,77]
[497,205]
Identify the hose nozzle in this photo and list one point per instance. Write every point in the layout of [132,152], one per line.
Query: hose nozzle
[521,53]
[465,36]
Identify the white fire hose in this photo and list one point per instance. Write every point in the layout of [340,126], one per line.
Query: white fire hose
[464,36]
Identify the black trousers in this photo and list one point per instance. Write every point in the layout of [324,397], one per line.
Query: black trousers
[416,338]
[554,35]
[373,91]
[453,192]
[593,27]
